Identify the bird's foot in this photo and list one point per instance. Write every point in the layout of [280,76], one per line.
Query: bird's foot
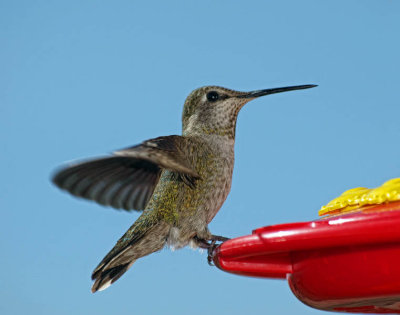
[210,244]
[218,238]
[201,243]
[211,252]
[213,246]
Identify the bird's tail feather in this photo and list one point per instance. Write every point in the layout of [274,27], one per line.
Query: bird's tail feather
[147,235]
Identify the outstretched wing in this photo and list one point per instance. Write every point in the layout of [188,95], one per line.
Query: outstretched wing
[127,179]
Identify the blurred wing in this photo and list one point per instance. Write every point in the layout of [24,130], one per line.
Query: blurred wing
[127,180]
[119,182]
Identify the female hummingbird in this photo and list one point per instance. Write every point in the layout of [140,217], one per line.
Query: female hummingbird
[179,182]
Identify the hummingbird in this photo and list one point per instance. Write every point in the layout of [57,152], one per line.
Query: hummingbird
[179,182]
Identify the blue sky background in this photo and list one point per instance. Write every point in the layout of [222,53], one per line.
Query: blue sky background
[82,78]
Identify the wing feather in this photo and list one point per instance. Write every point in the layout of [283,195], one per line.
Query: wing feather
[127,179]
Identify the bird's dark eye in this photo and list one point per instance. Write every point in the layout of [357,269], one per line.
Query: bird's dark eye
[212,96]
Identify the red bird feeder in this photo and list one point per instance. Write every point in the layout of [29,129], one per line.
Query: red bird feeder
[348,261]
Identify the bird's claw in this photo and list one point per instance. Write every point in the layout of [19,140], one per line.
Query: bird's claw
[211,253]
[210,245]
[219,238]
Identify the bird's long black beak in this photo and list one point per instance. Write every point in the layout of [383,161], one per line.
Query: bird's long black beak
[258,93]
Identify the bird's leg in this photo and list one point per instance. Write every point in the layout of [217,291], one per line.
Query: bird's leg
[213,245]
[201,243]
[210,245]
[208,241]
[218,238]
[210,252]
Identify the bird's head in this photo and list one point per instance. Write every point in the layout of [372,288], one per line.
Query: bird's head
[214,109]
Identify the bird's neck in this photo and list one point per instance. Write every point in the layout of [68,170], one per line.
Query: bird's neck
[195,127]
[219,145]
